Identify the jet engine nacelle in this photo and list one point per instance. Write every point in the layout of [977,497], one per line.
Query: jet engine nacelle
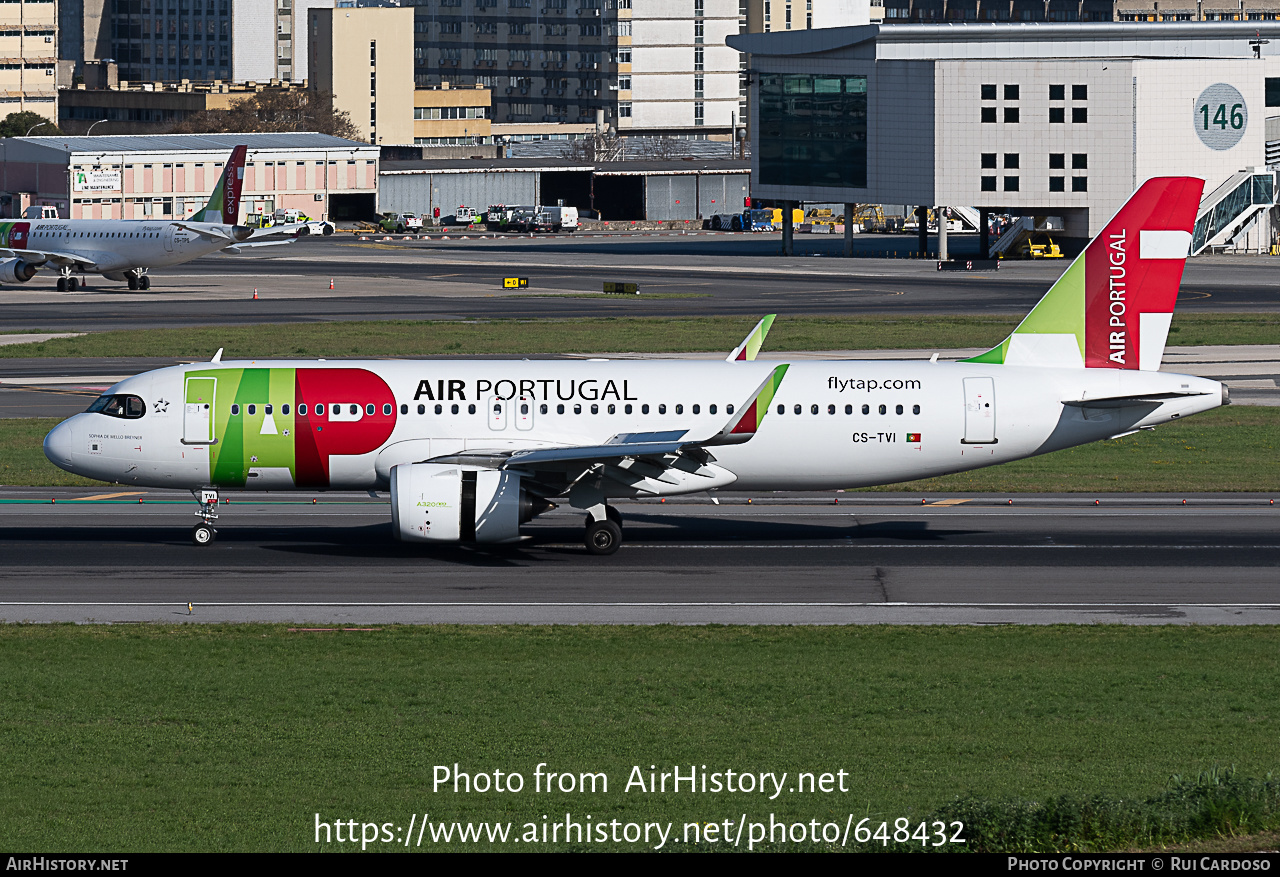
[446,502]
[16,271]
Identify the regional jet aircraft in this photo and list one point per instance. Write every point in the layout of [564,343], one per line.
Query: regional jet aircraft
[126,249]
[470,450]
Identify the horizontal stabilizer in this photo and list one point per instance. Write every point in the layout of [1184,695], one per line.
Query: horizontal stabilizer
[1126,401]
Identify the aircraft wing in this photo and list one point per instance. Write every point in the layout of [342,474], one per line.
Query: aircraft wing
[662,450]
[40,257]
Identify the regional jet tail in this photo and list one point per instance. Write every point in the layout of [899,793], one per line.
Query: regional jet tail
[471,450]
[126,250]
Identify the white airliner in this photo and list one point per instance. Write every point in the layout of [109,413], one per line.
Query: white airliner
[125,249]
[470,450]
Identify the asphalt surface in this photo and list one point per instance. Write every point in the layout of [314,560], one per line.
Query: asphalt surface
[782,558]
[679,275]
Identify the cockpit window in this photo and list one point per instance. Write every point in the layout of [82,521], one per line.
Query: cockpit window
[128,407]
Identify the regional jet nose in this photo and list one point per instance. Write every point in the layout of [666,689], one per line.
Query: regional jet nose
[59,444]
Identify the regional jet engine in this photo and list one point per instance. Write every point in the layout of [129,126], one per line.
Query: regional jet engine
[16,271]
[446,502]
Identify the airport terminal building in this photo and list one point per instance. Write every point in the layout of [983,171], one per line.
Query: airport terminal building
[1027,119]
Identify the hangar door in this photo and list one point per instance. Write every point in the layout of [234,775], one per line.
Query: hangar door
[670,197]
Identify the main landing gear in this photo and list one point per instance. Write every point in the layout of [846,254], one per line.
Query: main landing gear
[203,532]
[67,283]
[138,279]
[604,536]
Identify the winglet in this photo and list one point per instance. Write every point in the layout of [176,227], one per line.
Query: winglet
[750,346]
[217,357]
[752,415]
[1113,306]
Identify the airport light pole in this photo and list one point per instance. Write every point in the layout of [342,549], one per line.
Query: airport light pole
[33,127]
[94,125]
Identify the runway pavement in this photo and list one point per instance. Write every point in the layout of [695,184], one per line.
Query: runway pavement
[781,558]
[462,279]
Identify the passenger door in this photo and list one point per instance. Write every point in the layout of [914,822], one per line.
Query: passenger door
[197,417]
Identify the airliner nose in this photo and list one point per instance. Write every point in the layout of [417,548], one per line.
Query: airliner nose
[59,444]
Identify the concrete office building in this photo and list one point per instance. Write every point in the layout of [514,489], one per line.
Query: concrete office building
[1033,120]
[651,67]
[364,57]
[199,40]
[28,57]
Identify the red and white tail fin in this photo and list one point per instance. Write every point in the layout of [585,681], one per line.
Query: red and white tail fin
[1113,306]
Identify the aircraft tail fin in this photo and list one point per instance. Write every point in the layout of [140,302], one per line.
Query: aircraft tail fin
[224,202]
[1113,305]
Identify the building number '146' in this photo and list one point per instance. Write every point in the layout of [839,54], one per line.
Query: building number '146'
[1220,117]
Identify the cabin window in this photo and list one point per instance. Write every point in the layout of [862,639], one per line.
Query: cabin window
[728,409]
[386,408]
[831,409]
[439,409]
[915,409]
[267,408]
[679,409]
[369,409]
[422,409]
[577,409]
[235,409]
[542,409]
[799,408]
[302,409]
[848,409]
[711,409]
[453,409]
[613,409]
[404,409]
[284,409]
[471,409]
[782,409]
[662,409]
[866,409]
[627,409]
[253,409]
[813,409]
[898,410]
[560,409]
[355,409]
[595,409]
[644,409]
[883,410]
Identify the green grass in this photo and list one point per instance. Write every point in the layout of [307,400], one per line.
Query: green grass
[623,334]
[233,737]
[1227,449]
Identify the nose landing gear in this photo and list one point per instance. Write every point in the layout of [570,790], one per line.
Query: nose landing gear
[203,532]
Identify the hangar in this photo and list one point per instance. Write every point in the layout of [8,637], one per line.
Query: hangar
[1033,120]
[171,175]
[617,190]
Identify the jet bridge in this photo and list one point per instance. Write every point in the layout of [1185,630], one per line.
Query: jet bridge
[1232,210]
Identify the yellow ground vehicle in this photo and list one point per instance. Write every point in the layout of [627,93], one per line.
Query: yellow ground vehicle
[797,217]
[1041,247]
